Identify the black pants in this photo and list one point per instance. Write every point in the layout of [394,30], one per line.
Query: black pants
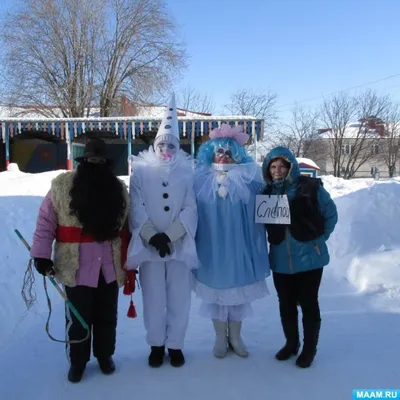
[301,288]
[98,307]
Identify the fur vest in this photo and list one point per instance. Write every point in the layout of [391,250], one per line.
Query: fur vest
[66,255]
[307,222]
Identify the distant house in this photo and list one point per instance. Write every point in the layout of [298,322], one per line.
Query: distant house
[307,167]
[361,141]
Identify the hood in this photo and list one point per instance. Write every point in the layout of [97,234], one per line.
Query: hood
[286,154]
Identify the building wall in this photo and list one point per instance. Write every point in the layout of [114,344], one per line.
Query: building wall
[308,171]
[364,171]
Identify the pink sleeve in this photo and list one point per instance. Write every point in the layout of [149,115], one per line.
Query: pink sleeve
[46,227]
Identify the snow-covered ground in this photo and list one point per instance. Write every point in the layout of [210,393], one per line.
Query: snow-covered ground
[360,303]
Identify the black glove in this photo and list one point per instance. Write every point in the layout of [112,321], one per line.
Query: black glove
[44,266]
[159,240]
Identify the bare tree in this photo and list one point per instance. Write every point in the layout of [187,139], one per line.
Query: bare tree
[336,115]
[366,140]
[70,53]
[389,144]
[300,135]
[142,51]
[49,55]
[256,104]
[192,100]
[351,139]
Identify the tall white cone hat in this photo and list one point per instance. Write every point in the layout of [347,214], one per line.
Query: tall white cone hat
[169,128]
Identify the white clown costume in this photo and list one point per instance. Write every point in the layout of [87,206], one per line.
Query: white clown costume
[232,248]
[163,222]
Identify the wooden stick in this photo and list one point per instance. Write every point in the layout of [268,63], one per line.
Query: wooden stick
[59,290]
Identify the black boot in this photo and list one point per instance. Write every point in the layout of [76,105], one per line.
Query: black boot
[291,331]
[311,335]
[75,373]
[106,365]
[176,357]
[156,357]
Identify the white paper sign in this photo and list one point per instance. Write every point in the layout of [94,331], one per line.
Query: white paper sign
[272,209]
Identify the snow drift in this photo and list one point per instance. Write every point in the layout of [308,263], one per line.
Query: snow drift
[365,246]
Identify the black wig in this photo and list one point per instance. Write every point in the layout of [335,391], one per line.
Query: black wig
[98,201]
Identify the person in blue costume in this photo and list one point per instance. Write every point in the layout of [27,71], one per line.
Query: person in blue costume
[232,248]
[298,252]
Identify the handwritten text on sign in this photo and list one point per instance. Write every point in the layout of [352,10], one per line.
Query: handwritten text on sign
[272,209]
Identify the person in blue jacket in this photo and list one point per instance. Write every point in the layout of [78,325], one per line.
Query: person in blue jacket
[298,251]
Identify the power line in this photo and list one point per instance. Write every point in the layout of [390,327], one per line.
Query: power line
[340,91]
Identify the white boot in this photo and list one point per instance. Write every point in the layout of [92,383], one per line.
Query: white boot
[235,340]
[221,340]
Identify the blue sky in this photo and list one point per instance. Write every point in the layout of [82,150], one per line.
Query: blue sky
[300,49]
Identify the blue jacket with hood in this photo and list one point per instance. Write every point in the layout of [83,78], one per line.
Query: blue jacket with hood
[292,256]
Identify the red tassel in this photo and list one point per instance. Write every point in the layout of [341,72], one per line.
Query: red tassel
[129,288]
[132,311]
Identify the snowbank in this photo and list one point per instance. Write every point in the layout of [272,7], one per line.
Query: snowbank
[339,187]
[365,246]
[379,271]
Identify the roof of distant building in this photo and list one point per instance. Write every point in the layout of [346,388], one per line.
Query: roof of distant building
[307,162]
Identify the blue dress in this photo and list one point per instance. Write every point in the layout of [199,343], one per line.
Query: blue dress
[231,247]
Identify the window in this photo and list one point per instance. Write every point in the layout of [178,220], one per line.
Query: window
[375,149]
[347,149]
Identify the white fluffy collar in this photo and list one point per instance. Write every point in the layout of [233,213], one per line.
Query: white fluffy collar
[223,167]
[211,183]
[150,158]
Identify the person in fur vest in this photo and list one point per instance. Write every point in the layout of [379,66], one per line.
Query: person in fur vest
[85,212]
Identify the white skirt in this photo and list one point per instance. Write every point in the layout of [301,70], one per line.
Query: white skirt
[234,296]
[229,304]
[226,313]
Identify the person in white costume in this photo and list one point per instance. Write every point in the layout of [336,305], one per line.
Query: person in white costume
[163,222]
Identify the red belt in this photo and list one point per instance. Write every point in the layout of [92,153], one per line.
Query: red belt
[72,234]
